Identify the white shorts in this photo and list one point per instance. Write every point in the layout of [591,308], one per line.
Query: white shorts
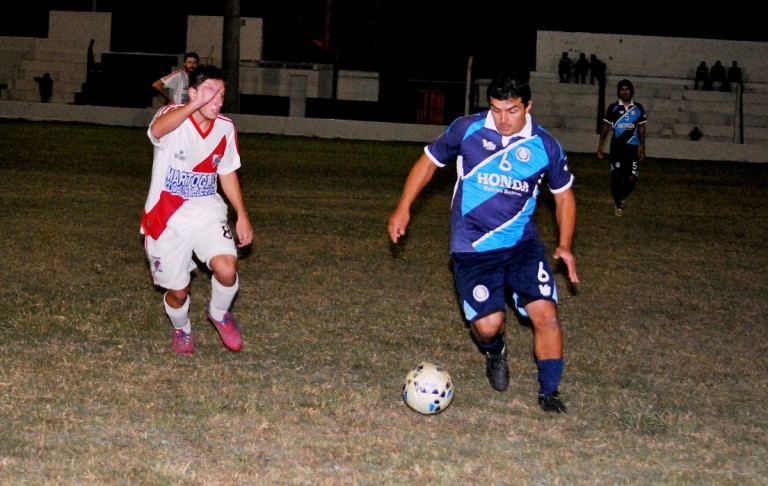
[204,233]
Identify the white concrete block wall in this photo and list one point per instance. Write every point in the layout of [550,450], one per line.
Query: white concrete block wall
[661,77]
[756,116]
[205,36]
[651,56]
[255,79]
[358,86]
[574,142]
[671,106]
[63,54]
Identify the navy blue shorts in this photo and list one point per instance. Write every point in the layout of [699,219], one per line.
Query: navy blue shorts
[484,280]
[625,159]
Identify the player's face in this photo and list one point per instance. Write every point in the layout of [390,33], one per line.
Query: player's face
[211,90]
[509,115]
[190,64]
[625,94]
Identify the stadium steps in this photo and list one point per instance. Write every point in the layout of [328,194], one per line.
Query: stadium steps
[66,62]
[673,108]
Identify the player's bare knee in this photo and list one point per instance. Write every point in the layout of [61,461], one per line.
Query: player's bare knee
[543,315]
[224,268]
[488,327]
[176,298]
[546,324]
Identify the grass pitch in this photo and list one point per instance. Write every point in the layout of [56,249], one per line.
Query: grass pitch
[665,338]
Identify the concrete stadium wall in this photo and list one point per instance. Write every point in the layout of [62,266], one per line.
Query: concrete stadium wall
[204,36]
[632,56]
[68,31]
[73,30]
[656,57]
[360,130]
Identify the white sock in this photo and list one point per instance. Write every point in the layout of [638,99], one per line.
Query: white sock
[179,317]
[221,297]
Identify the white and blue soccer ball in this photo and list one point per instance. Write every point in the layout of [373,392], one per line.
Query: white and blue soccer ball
[428,388]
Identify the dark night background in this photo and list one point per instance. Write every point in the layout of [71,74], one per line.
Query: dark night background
[420,48]
[414,37]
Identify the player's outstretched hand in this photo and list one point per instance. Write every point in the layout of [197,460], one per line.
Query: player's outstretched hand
[398,222]
[565,254]
[244,232]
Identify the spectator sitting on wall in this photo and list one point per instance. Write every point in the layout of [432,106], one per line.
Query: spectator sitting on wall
[564,67]
[717,76]
[580,69]
[702,77]
[596,70]
[734,76]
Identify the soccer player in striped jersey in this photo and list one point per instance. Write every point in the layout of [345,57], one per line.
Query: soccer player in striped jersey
[195,148]
[627,149]
[502,158]
[175,86]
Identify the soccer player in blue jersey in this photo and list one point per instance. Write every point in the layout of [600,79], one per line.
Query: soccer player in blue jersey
[502,157]
[627,120]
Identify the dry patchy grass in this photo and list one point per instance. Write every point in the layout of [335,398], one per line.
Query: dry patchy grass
[665,336]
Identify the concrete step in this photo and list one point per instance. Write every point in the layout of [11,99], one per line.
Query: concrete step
[580,123]
[660,105]
[704,118]
[708,96]
[31,84]
[756,99]
[564,109]
[756,134]
[60,69]
[722,133]
[724,106]
[756,121]
[33,95]
[49,52]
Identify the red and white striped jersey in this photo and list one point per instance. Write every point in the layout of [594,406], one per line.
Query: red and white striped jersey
[177,84]
[185,172]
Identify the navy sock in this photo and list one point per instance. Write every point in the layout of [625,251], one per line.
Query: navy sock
[496,347]
[550,371]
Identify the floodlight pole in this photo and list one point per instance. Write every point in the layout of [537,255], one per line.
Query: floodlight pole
[468,90]
[230,57]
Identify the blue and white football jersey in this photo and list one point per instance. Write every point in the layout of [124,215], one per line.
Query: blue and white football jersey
[497,180]
[625,122]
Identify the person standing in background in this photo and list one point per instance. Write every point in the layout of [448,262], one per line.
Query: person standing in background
[627,120]
[564,68]
[45,87]
[174,87]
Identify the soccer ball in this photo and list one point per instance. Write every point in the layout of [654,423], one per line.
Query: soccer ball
[428,388]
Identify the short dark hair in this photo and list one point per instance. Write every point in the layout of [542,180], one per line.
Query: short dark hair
[509,84]
[191,54]
[203,73]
